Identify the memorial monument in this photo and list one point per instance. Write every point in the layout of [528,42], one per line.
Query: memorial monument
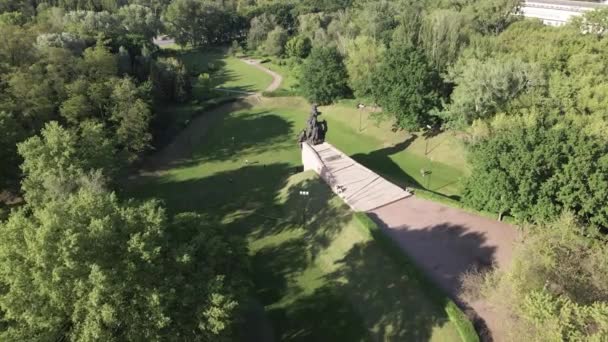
[315,130]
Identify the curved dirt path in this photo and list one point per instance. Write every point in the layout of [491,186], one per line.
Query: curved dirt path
[182,146]
[276,78]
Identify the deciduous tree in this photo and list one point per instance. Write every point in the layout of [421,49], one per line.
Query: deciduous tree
[406,87]
[323,77]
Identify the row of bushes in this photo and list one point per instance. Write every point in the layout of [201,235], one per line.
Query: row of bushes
[455,314]
[280,93]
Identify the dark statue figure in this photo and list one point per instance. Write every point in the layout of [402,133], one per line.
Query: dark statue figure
[315,130]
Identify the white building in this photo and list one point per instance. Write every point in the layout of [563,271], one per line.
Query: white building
[557,12]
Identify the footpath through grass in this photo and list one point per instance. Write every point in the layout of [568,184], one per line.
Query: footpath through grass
[317,275]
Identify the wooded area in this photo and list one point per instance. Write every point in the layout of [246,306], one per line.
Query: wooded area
[82,85]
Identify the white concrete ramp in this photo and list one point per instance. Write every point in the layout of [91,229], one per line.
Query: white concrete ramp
[361,188]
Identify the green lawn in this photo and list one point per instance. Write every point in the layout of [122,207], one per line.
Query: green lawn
[399,156]
[322,279]
[227,72]
[290,82]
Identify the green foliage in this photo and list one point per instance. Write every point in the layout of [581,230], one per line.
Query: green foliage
[139,20]
[16,48]
[463,324]
[492,16]
[170,80]
[444,35]
[275,42]
[534,170]
[12,133]
[594,22]
[377,20]
[323,78]
[204,82]
[131,116]
[259,29]
[489,87]
[298,47]
[55,161]
[200,23]
[363,57]
[406,87]
[555,288]
[88,267]
[89,25]
[63,40]
[235,48]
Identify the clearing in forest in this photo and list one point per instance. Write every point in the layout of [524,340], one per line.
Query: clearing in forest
[317,275]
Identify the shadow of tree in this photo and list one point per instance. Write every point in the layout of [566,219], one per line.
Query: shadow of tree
[380,162]
[389,299]
[246,133]
[324,315]
[445,253]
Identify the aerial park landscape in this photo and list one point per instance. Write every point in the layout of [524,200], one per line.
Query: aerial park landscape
[319,171]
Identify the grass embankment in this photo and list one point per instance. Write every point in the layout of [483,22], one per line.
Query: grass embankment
[317,276]
[229,77]
[406,266]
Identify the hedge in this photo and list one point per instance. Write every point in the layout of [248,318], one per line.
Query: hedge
[455,314]
[280,93]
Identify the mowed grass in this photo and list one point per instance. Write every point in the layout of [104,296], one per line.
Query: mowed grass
[317,275]
[227,72]
[290,82]
[399,156]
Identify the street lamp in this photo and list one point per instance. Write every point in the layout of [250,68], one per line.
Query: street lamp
[304,194]
[430,172]
[426,139]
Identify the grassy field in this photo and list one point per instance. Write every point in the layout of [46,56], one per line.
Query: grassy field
[290,82]
[227,73]
[398,156]
[317,276]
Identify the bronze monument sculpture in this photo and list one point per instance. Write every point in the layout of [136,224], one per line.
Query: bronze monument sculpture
[315,130]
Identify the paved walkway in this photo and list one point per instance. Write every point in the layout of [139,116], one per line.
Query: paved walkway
[361,188]
[447,242]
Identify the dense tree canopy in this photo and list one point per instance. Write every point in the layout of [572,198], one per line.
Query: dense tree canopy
[200,22]
[87,267]
[535,169]
[555,288]
[323,78]
[406,87]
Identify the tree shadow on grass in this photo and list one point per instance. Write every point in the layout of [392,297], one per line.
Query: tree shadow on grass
[324,315]
[245,189]
[389,299]
[250,132]
[443,254]
[377,301]
[380,162]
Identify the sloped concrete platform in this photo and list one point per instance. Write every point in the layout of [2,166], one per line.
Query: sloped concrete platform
[359,187]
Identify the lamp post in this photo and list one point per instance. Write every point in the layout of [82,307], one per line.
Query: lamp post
[430,172]
[304,194]
[426,139]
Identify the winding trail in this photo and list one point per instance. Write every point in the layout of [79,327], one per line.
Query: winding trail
[182,147]
[276,78]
